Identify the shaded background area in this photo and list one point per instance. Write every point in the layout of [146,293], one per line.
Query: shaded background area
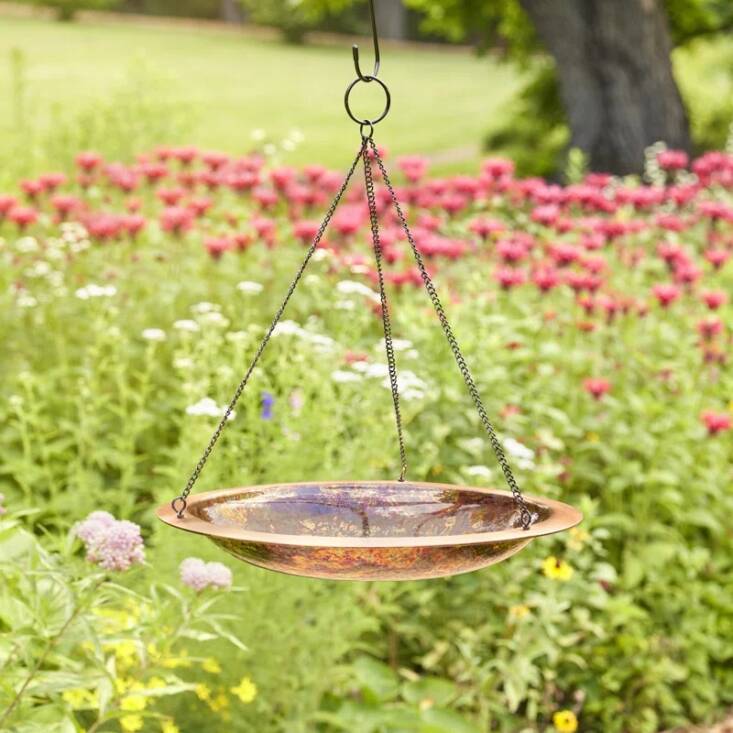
[502,77]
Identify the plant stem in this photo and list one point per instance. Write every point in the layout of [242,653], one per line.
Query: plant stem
[50,644]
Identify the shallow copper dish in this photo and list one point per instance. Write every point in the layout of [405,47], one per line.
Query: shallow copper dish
[368,530]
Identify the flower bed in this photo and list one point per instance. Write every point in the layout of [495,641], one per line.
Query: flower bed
[596,317]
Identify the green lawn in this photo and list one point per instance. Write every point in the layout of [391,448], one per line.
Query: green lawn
[234,83]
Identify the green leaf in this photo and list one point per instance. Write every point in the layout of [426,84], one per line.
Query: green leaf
[436,690]
[376,679]
[442,720]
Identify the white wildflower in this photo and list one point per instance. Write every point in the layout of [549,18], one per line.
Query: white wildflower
[345,305]
[214,318]
[351,287]
[478,472]
[95,291]
[321,254]
[26,301]
[343,377]
[153,334]
[27,244]
[249,287]
[186,325]
[524,456]
[204,307]
[208,408]
[397,344]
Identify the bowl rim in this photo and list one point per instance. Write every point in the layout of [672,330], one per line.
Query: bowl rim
[561,517]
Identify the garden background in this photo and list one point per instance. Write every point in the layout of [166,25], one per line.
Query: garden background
[160,180]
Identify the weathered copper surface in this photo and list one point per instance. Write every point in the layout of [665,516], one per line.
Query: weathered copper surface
[368,530]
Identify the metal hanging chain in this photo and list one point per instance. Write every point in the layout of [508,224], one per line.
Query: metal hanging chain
[386,322]
[526,514]
[179,503]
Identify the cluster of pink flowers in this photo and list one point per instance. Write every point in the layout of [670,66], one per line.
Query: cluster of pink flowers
[197,574]
[586,242]
[113,544]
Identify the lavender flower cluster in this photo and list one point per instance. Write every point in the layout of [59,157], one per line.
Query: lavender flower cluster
[113,544]
[197,574]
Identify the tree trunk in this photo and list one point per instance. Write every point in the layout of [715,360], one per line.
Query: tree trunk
[391,19]
[615,74]
[230,11]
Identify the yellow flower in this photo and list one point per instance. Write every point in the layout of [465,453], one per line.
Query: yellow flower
[203,692]
[557,569]
[219,703]
[131,723]
[123,684]
[125,652]
[592,437]
[155,683]
[175,662]
[565,721]
[169,726]
[79,698]
[133,703]
[578,537]
[246,691]
[211,665]
[518,612]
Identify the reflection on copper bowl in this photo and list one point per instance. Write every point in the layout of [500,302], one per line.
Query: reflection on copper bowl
[368,530]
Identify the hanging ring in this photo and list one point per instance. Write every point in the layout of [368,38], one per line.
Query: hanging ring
[367,135]
[387,101]
[176,509]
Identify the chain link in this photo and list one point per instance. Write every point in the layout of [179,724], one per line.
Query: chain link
[386,322]
[526,515]
[179,503]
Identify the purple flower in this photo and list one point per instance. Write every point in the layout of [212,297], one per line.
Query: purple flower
[268,400]
[111,543]
[197,574]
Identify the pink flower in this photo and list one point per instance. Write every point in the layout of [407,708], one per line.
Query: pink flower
[484,227]
[111,543]
[717,257]
[509,277]
[546,278]
[176,219]
[197,574]
[170,196]
[596,387]
[217,246]
[414,167]
[673,160]
[65,203]
[713,299]
[88,160]
[497,168]
[710,327]
[6,203]
[305,230]
[666,293]
[22,216]
[716,422]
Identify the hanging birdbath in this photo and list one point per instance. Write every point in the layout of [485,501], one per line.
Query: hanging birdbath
[369,530]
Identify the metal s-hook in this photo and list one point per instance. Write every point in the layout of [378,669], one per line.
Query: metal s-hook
[375,38]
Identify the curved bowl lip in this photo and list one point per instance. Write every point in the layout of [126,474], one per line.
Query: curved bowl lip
[562,517]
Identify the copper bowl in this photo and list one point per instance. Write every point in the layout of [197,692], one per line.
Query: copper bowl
[368,530]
